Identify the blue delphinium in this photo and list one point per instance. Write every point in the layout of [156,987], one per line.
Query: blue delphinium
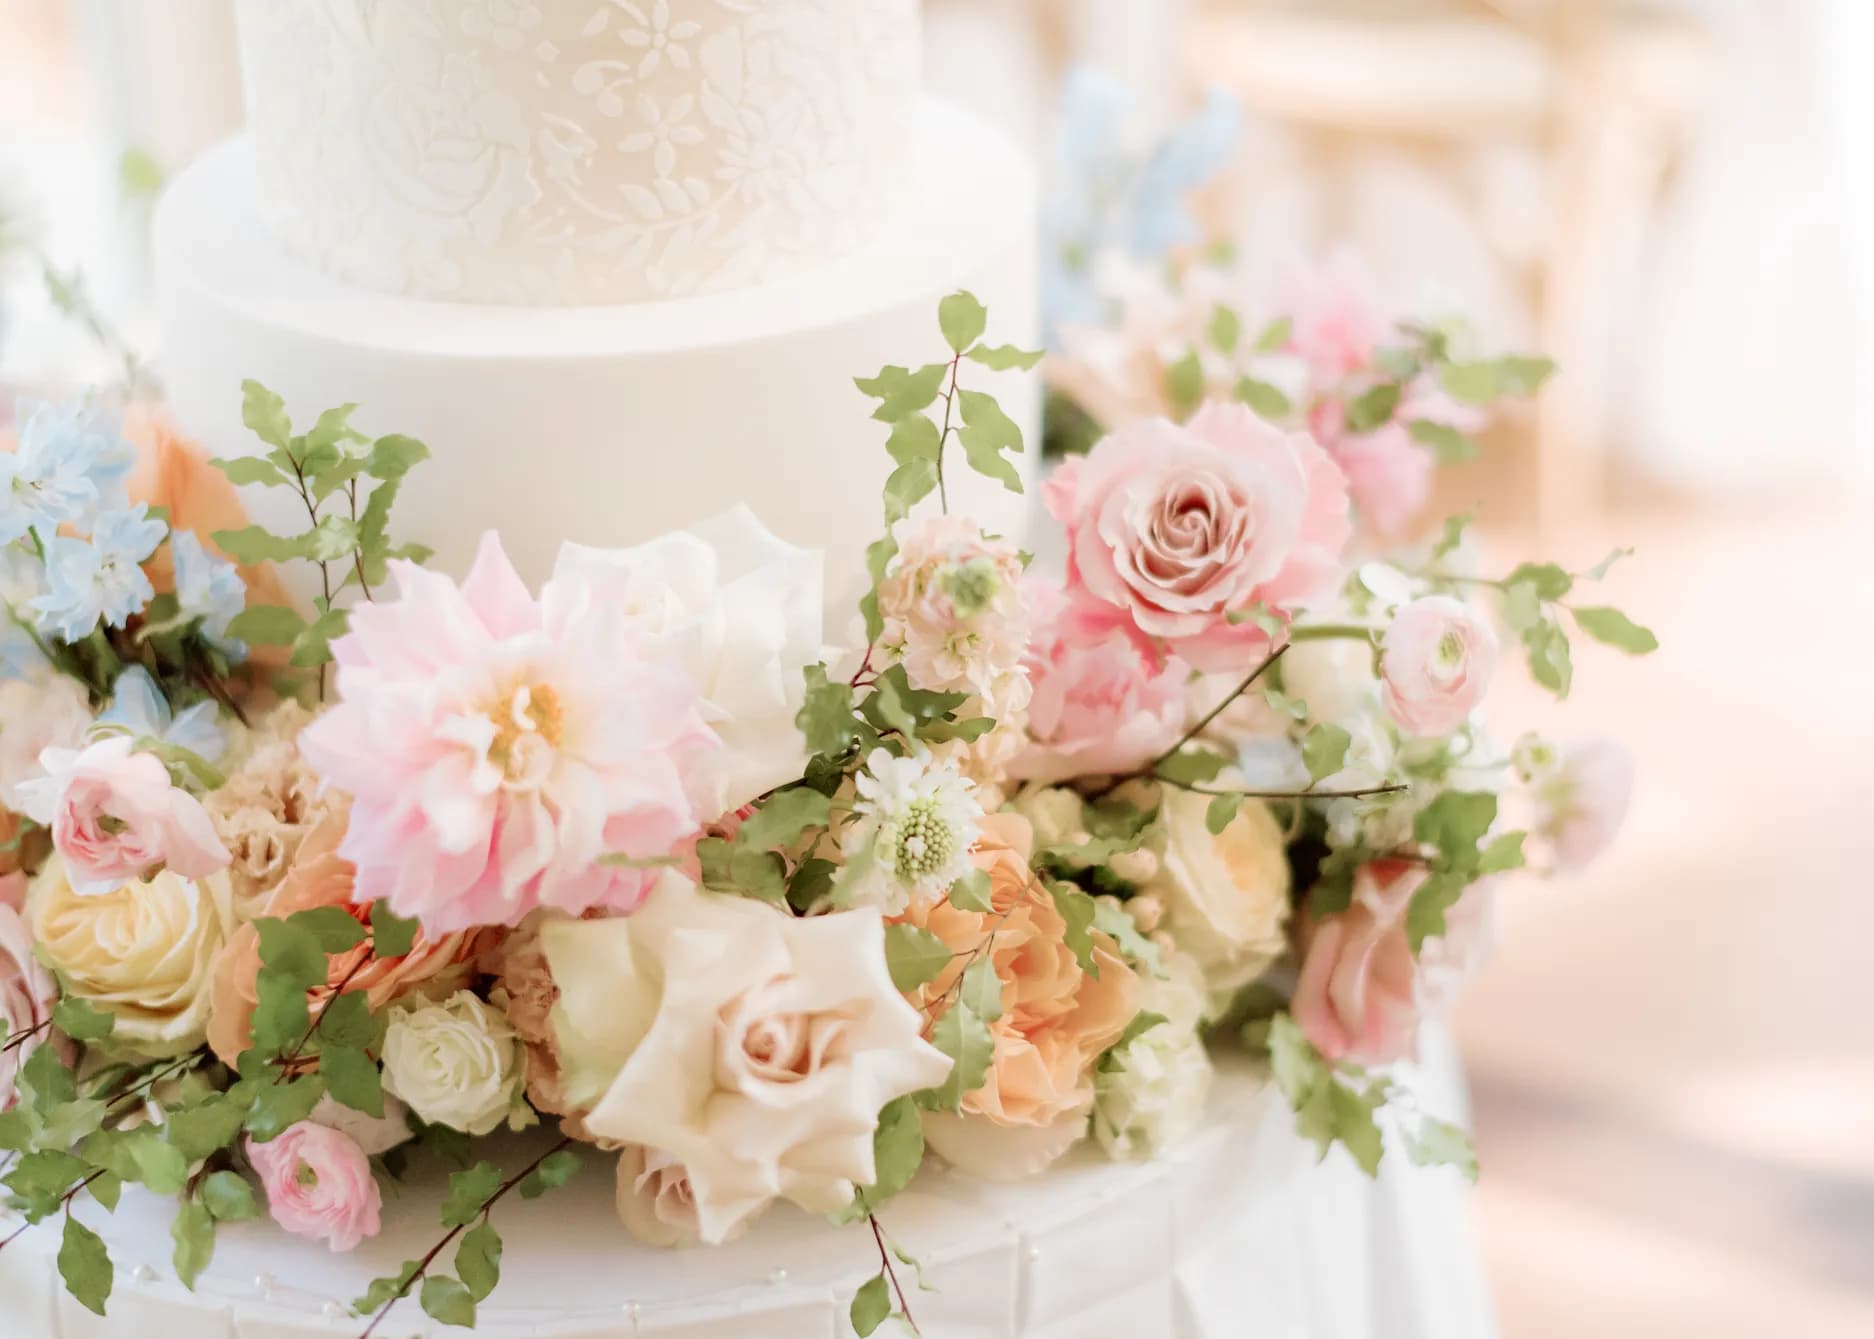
[70,465]
[100,578]
[210,589]
[139,707]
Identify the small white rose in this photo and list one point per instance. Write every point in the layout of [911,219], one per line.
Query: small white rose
[1149,1095]
[458,1063]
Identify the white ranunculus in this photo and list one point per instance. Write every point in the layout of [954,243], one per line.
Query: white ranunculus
[752,1048]
[45,710]
[143,952]
[457,1063]
[1225,894]
[742,610]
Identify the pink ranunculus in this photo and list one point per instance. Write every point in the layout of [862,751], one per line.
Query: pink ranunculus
[1362,994]
[1436,660]
[497,747]
[116,817]
[27,990]
[1336,325]
[1176,527]
[1585,802]
[1102,703]
[319,1185]
[1389,477]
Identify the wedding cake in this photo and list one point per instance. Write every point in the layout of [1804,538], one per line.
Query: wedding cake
[618,264]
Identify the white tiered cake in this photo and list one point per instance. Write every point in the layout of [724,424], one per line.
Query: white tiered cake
[616,264]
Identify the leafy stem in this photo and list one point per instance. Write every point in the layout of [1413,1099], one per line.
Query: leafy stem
[1210,716]
[891,1274]
[292,1057]
[1362,792]
[943,433]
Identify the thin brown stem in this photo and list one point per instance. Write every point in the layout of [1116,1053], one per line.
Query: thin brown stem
[1361,793]
[292,1057]
[891,1274]
[21,1038]
[65,1202]
[943,434]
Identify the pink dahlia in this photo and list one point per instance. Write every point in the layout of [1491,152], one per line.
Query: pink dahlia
[496,746]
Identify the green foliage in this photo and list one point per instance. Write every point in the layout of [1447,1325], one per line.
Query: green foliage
[277,1107]
[193,1233]
[900,391]
[229,1198]
[352,1078]
[963,1035]
[1431,1142]
[1485,380]
[1192,767]
[1221,812]
[1615,629]
[1275,335]
[914,956]
[1078,910]
[897,1153]
[871,1305]
[85,1266]
[1184,385]
[971,892]
[1329,1108]
[469,1190]
[391,935]
[1225,329]
[1324,750]
[1373,408]
[82,1021]
[383,1290]
[554,1171]
[826,716]
[448,1301]
[478,1261]
[1450,446]
[962,319]
[1268,401]
[1004,357]
[987,432]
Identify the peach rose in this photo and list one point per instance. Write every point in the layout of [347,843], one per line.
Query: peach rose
[320,877]
[1057,1020]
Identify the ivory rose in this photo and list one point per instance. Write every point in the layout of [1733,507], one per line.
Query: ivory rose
[1057,1019]
[655,1201]
[1436,659]
[321,877]
[1176,527]
[115,816]
[457,1063]
[319,1185]
[27,990]
[755,1048]
[1362,994]
[144,952]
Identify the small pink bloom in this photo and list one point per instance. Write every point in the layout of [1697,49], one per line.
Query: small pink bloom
[1102,703]
[319,1185]
[1436,660]
[27,990]
[1585,802]
[1362,994]
[1336,324]
[115,817]
[496,746]
[1389,476]
[952,605]
[1174,528]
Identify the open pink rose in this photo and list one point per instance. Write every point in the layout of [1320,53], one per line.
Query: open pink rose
[115,816]
[1176,527]
[319,1185]
[1362,993]
[1101,702]
[1436,660]
[27,990]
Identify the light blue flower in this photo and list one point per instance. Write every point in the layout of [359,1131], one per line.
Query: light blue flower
[22,580]
[139,706]
[208,588]
[100,578]
[1187,157]
[70,465]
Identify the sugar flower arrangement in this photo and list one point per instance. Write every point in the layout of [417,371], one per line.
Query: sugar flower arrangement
[290,889]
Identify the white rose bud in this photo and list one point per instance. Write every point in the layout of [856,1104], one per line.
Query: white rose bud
[457,1064]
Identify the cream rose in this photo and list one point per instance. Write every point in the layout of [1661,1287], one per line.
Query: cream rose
[1226,896]
[655,1201]
[143,952]
[741,609]
[753,1048]
[1149,1094]
[457,1064]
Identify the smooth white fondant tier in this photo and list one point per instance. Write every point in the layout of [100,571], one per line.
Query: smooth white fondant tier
[610,425]
[1236,1233]
[566,152]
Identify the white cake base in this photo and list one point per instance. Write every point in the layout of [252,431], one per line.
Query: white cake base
[1237,1233]
[607,425]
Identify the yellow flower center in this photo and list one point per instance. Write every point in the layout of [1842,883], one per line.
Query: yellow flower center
[529,726]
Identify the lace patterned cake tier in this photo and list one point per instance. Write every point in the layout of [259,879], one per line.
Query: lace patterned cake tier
[577,152]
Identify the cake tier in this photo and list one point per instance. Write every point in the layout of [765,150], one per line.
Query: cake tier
[570,152]
[1237,1232]
[610,425]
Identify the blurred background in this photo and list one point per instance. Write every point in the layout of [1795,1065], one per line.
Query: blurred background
[1672,1058]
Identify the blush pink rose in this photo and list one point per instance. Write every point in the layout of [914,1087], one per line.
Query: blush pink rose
[116,817]
[1100,703]
[1175,527]
[27,990]
[1362,994]
[1436,660]
[319,1185]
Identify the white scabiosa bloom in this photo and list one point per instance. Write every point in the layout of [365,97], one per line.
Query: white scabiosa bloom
[914,821]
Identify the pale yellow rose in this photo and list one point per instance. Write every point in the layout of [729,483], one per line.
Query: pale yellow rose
[144,952]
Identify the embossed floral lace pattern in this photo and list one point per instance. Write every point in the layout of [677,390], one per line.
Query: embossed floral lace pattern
[569,152]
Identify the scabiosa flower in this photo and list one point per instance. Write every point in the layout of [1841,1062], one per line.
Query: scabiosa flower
[914,822]
[100,578]
[139,708]
[208,588]
[71,463]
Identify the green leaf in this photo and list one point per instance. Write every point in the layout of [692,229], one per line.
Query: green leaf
[469,1190]
[290,948]
[1002,357]
[229,1198]
[333,538]
[352,1078]
[1551,581]
[257,544]
[1550,662]
[1142,1022]
[784,818]
[267,625]
[277,1107]
[1522,607]
[1225,329]
[1184,385]
[446,1300]
[313,646]
[335,928]
[1356,1127]
[1602,568]
[1425,917]
[85,1266]
[1078,910]
[810,883]
[478,1260]
[554,1171]
[1609,625]
[391,935]
[1324,750]
[1438,1143]
[159,1164]
[1453,535]
[913,437]
[963,1036]
[914,956]
[81,1020]
[1115,922]
[1450,446]
[205,1126]
[107,1188]
[986,433]
[1221,812]
[1473,383]
[48,1080]
[193,1233]
[382,1290]
[731,868]
[139,175]
[962,319]
[1275,335]
[907,486]
[1268,401]
[981,989]
[264,414]
[826,714]
[1523,375]
[870,1305]
[1455,822]
[971,892]
[1504,853]
[900,392]
[1373,408]
[897,1152]
[245,470]
[1192,767]
[394,456]
[46,1174]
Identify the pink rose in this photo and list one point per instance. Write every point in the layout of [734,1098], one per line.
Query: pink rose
[1389,476]
[27,990]
[1101,703]
[1585,802]
[1436,660]
[1174,528]
[319,1185]
[115,817]
[1362,993]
